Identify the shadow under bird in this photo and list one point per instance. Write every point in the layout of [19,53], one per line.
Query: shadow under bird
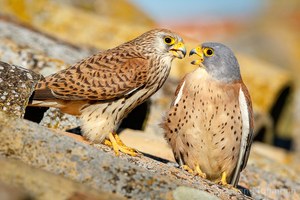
[210,123]
[104,88]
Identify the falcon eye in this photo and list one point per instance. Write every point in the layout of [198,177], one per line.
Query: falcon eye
[169,40]
[208,52]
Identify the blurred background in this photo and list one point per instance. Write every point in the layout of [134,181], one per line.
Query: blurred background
[265,37]
[264,34]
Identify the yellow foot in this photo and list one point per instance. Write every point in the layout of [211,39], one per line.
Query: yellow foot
[116,143]
[197,171]
[187,168]
[223,182]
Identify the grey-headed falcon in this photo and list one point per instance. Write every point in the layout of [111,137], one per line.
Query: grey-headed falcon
[210,123]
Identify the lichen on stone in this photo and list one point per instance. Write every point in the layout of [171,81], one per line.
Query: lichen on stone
[17,85]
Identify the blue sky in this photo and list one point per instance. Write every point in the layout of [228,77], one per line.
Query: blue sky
[172,10]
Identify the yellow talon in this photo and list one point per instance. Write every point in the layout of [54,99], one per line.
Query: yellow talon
[223,179]
[107,143]
[120,143]
[187,168]
[199,172]
[223,182]
[116,143]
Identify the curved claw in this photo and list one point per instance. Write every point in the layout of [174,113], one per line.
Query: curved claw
[223,182]
[197,171]
[118,146]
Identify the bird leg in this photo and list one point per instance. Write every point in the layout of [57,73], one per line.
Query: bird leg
[119,142]
[187,168]
[116,143]
[223,182]
[197,171]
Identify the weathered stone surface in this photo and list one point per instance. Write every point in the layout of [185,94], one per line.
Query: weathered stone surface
[269,185]
[42,54]
[16,87]
[140,178]
[182,193]
[43,185]
[54,118]
[80,24]
[272,173]
[287,163]
[144,141]
[34,50]
[8,192]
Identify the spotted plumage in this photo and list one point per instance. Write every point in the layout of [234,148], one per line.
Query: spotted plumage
[105,87]
[210,121]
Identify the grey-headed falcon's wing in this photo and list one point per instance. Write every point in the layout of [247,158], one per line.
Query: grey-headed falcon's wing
[247,134]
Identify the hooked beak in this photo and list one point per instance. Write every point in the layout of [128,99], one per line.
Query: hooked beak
[178,50]
[199,52]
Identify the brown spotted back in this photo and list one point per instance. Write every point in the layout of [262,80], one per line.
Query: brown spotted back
[100,77]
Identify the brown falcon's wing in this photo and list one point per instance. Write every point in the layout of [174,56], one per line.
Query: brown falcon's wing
[108,75]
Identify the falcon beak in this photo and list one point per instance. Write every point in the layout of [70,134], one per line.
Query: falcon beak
[178,50]
[198,51]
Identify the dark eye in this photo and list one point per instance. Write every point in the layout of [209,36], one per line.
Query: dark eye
[169,40]
[209,52]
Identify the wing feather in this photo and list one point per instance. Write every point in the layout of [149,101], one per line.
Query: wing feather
[178,89]
[107,75]
[247,135]
[251,121]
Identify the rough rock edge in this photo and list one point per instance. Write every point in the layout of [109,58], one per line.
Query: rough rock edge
[9,192]
[16,87]
[140,178]
[35,183]
[41,41]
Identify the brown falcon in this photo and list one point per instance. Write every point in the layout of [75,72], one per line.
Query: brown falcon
[105,87]
[210,123]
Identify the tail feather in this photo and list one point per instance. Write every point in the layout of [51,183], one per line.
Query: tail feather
[37,103]
[43,94]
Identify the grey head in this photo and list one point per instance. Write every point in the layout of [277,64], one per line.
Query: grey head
[219,61]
